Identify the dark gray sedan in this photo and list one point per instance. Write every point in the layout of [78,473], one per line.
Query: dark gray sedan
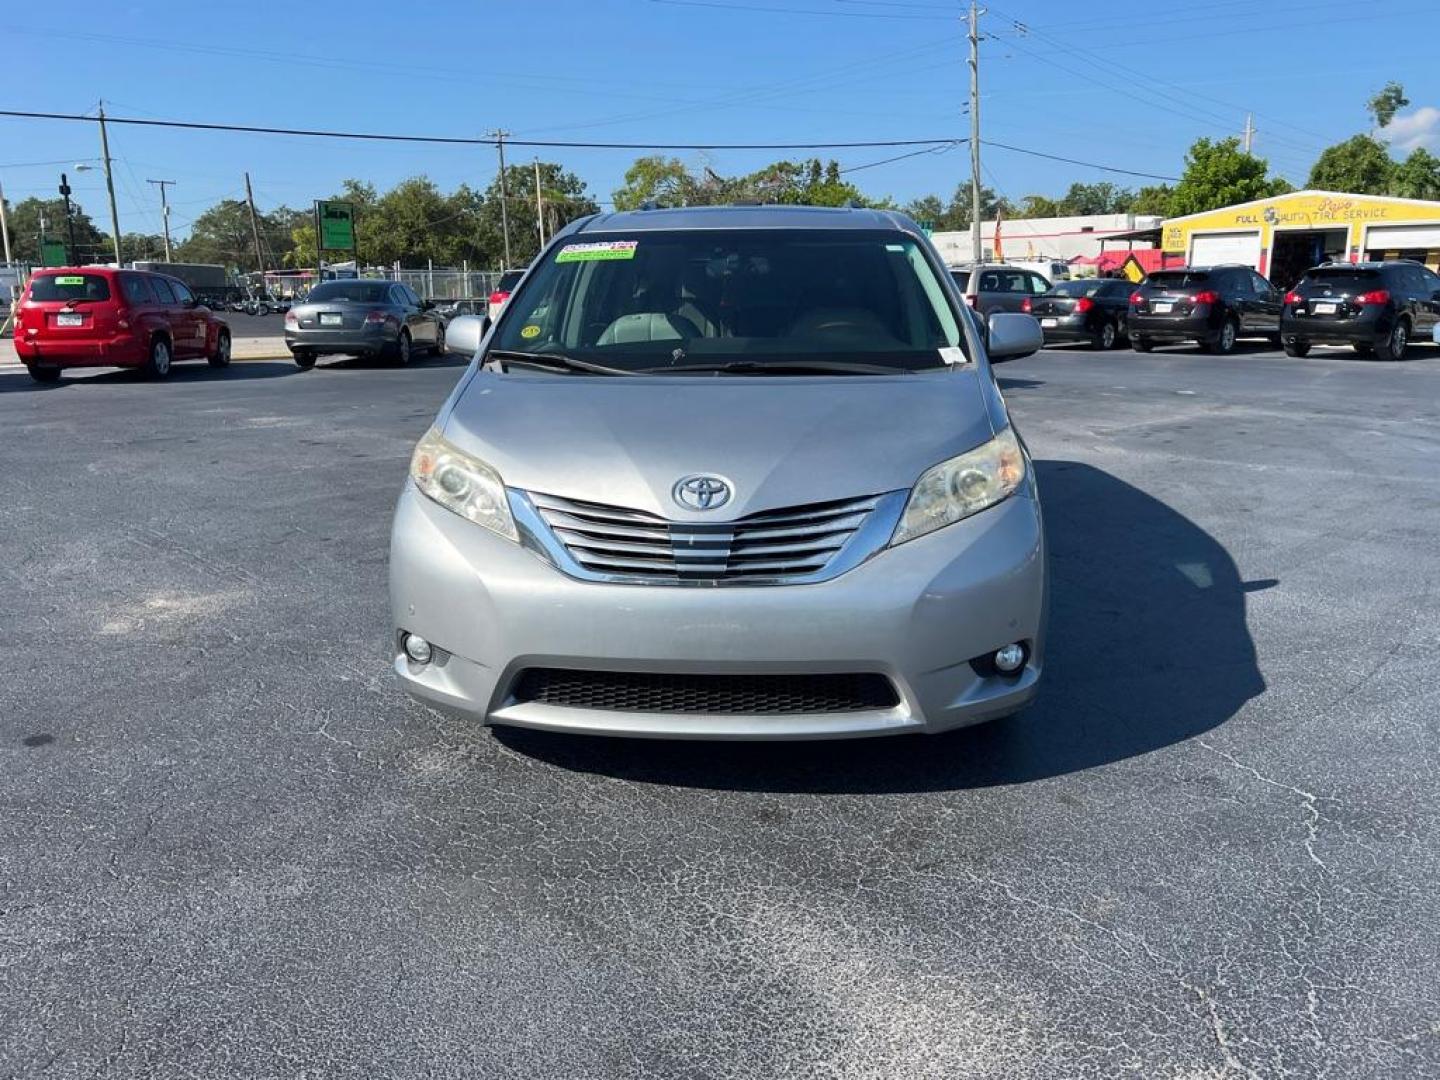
[362,318]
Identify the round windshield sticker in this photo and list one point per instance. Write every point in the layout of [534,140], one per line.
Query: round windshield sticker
[531,331]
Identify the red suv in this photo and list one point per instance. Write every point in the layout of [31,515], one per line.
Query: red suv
[96,316]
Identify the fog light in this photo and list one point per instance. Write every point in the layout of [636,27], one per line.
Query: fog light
[418,649]
[1010,658]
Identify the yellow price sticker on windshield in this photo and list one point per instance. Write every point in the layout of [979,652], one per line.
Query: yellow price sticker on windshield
[531,331]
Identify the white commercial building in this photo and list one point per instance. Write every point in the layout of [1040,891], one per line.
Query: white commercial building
[1057,238]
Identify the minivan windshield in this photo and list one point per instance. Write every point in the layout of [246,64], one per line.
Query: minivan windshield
[361,292]
[745,301]
[80,288]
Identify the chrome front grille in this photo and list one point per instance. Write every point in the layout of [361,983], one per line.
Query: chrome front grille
[797,543]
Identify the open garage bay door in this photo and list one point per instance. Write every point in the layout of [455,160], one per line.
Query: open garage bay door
[1212,249]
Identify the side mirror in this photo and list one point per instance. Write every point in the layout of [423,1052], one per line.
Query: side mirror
[1012,336]
[463,335]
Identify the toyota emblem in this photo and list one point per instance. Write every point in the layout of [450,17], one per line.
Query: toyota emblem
[701,492]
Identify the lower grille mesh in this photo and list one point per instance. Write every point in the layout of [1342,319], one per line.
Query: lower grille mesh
[650,692]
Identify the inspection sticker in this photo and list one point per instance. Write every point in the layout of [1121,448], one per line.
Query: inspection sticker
[609,249]
[69,281]
[531,331]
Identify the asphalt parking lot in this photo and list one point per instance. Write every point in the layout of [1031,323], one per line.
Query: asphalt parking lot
[230,847]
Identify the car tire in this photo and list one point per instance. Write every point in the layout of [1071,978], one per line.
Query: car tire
[1106,337]
[161,358]
[1222,342]
[438,349]
[403,353]
[1141,344]
[304,359]
[43,373]
[1397,343]
[1296,347]
[220,358]
[262,309]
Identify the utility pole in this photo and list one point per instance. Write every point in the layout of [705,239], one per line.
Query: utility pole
[255,231]
[164,212]
[539,205]
[977,250]
[1249,131]
[500,137]
[69,222]
[110,184]
[4,225]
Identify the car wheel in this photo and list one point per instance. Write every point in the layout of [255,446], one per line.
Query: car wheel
[1295,347]
[221,356]
[439,347]
[1364,348]
[1398,341]
[1106,336]
[1141,344]
[304,359]
[263,309]
[402,348]
[43,373]
[1223,343]
[157,364]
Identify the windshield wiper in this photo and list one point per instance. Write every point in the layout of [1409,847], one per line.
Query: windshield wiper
[552,362]
[761,367]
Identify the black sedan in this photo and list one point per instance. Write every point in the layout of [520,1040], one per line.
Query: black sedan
[1088,309]
[363,318]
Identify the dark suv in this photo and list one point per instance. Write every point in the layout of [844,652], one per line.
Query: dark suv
[1375,308]
[1214,306]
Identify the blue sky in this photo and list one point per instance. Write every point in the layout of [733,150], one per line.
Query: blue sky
[1119,84]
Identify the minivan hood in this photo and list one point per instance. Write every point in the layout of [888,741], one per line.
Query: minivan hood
[779,440]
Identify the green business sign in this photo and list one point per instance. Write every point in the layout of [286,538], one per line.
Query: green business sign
[52,253]
[335,225]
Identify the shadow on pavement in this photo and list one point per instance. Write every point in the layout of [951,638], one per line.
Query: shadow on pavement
[1148,646]
[1018,384]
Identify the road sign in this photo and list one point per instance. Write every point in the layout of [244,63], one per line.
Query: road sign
[52,253]
[335,225]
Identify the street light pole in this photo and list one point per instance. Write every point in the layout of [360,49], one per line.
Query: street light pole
[164,212]
[69,222]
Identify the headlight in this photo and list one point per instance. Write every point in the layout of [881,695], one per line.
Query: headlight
[461,483]
[962,486]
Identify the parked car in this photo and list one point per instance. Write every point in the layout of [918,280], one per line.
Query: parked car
[606,527]
[992,287]
[1214,306]
[362,318]
[97,316]
[1089,309]
[1375,308]
[503,288]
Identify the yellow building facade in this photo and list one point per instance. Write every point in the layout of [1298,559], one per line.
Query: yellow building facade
[1285,235]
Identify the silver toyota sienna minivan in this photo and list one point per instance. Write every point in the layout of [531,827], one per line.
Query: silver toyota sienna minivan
[731,473]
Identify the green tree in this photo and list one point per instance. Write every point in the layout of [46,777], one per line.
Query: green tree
[564,196]
[141,246]
[656,178]
[24,219]
[1417,177]
[1384,105]
[1218,173]
[1099,198]
[1360,165]
[1038,206]
[928,209]
[1153,200]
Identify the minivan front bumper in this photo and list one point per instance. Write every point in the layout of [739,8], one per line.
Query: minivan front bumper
[917,614]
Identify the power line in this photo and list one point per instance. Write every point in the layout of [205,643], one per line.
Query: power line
[455,140]
[902,157]
[799,11]
[1075,161]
